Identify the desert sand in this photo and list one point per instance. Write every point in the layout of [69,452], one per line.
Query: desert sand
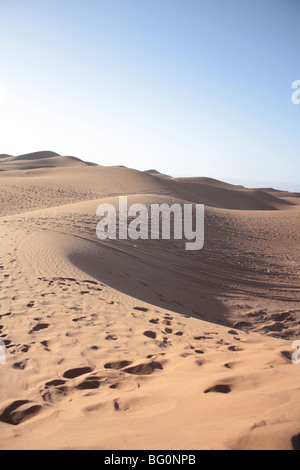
[124,344]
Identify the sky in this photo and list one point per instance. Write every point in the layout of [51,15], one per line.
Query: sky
[186,87]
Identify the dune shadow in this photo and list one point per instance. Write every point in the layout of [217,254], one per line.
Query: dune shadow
[166,279]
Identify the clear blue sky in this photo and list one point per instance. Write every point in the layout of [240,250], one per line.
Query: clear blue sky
[189,87]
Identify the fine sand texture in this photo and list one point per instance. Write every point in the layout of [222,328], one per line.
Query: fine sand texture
[140,344]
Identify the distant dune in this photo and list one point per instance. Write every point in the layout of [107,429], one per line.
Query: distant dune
[139,344]
[4,155]
[38,160]
[36,156]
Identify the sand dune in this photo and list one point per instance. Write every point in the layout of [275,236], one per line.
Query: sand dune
[67,178]
[36,156]
[38,160]
[3,155]
[140,344]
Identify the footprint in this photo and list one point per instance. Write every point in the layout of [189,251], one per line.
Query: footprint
[39,327]
[30,304]
[169,331]
[91,383]
[126,386]
[165,343]
[75,320]
[287,355]
[150,334]
[144,369]
[280,317]
[274,327]
[21,365]
[19,411]
[117,365]
[6,315]
[73,373]
[235,349]
[116,405]
[111,338]
[54,390]
[114,386]
[258,425]
[229,365]
[242,324]
[55,383]
[89,282]
[219,389]
[71,279]
[46,345]
[184,355]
